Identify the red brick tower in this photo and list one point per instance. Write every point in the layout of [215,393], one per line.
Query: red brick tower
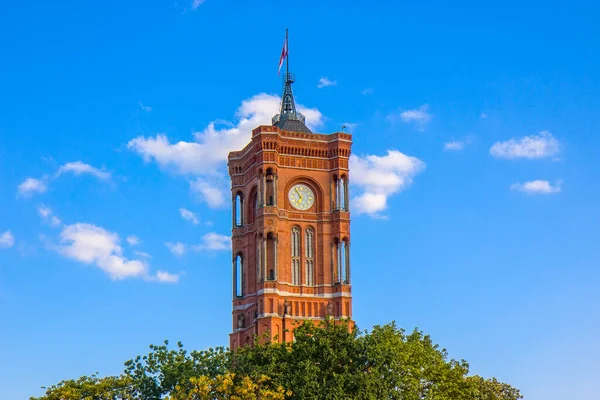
[291,227]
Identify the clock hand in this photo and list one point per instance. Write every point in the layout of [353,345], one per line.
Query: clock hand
[299,193]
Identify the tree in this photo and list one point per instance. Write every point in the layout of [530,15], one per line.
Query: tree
[328,362]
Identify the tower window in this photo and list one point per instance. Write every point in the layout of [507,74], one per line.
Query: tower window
[238,209]
[239,275]
[309,272]
[295,255]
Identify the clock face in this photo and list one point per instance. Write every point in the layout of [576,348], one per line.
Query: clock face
[301,197]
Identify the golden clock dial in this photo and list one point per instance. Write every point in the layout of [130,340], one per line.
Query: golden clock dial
[301,197]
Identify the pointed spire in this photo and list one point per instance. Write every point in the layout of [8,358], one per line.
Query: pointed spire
[288,118]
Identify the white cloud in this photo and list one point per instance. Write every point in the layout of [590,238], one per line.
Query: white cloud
[379,177]
[324,82]
[419,116]
[454,145]
[48,216]
[7,240]
[144,108]
[133,240]
[166,277]
[532,147]
[205,158]
[31,186]
[142,254]
[79,168]
[537,187]
[207,192]
[212,145]
[177,248]
[91,244]
[367,91]
[189,216]
[214,241]
[196,4]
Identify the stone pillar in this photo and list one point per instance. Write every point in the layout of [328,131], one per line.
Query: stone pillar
[264,259]
[347,194]
[275,269]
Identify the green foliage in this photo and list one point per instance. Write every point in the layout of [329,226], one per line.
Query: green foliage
[327,362]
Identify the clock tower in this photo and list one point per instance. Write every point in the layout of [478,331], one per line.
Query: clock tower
[291,227]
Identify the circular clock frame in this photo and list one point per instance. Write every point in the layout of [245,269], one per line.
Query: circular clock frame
[301,197]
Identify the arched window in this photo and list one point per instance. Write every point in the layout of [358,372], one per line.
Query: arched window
[239,275]
[271,257]
[309,272]
[238,209]
[295,255]
[343,261]
[270,188]
[343,194]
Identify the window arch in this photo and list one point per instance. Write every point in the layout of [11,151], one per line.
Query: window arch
[309,256]
[295,243]
[252,206]
[238,265]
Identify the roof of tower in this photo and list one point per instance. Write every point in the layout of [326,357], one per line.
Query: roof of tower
[288,118]
[292,125]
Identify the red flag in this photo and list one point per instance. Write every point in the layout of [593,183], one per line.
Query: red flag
[284,53]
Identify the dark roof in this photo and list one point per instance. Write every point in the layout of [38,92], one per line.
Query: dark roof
[292,125]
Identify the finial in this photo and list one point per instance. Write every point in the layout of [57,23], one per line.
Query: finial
[287,110]
[343,127]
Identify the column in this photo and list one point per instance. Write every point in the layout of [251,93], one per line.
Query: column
[275,269]
[233,216]
[346,194]
[234,274]
[264,191]
[338,191]
[348,262]
[264,259]
[275,193]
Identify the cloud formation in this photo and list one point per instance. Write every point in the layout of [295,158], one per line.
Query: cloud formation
[204,159]
[189,216]
[177,248]
[30,186]
[214,241]
[211,194]
[537,187]
[48,216]
[163,276]
[133,240]
[7,240]
[325,82]
[530,147]
[78,168]
[379,177]
[454,145]
[196,4]
[418,116]
[93,245]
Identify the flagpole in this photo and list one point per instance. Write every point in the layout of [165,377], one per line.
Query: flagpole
[287,58]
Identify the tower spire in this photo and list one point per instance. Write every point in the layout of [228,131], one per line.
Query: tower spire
[288,118]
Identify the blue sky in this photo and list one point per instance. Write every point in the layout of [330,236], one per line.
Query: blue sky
[476,210]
